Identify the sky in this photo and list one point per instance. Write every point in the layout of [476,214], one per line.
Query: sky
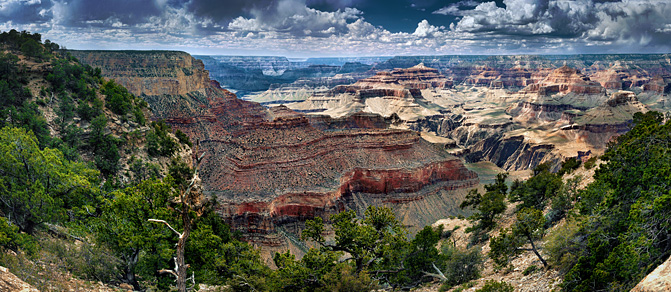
[325,28]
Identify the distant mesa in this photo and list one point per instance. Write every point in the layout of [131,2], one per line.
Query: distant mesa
[565,80]
[398,91]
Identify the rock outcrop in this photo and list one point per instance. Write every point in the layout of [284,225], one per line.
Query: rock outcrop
[10,282]
[657,281]
[398,92]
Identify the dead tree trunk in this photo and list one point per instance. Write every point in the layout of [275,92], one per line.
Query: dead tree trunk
[187,202]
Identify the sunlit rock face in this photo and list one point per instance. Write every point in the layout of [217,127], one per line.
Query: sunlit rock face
[273,167]
[389,93]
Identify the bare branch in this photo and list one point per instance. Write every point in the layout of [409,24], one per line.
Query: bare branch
[166,224]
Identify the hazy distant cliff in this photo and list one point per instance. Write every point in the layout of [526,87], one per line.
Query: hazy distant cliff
[149,72]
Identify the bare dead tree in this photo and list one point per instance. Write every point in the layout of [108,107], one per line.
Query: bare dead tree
[187,202]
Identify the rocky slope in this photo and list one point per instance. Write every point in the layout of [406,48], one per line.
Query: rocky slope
[657,281]
[270,168]
[10,282]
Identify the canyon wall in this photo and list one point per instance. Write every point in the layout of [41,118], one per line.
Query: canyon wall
[153,73]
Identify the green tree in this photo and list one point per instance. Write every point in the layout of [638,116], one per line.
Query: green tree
[39,185]
[537,190]
[527,229]
[487,206]
[627,225]
[142,246]
[32,48]
[375,243]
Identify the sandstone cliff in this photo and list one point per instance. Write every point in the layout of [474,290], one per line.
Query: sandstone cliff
[155,73]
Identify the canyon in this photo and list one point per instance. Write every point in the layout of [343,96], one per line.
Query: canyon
[514,111]
[269,169]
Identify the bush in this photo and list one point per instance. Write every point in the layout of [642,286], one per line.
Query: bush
[183,138]
[530,270]
[159,143]
[569,165]
[494,286]
[591,162]
[563,245]
[86,261]
[461,266]
[11,238]
[343,278]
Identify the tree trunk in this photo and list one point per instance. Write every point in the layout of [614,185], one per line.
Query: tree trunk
[181,245]
[533,247]
[130,270]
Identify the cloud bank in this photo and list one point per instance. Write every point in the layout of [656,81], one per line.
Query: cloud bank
[340,28]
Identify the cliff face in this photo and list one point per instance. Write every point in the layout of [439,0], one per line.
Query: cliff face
[155,73]
[565,80]
[269,168]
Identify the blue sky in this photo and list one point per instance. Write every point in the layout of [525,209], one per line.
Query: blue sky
[310,28]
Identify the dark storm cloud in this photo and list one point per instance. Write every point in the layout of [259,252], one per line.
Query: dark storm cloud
[127,12]
[25,11]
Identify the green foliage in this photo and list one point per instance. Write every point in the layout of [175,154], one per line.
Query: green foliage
[84,260]
[105,147]
[117,98]
[143,247]
[494,286]
[535,192]
[527,229]
[180,171]
[564,245]
[183,138]
[589,164]
[32,49]
[562,202]
[79,80]
[11,238]
[423,252]
[14,39]
[39,185]
[530,270]
[343,278]
[306,274]
[376,244]
[627,228]
[487,206]
[139,170]
[460,266]
[569,165]
[217,257]
[159,143]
